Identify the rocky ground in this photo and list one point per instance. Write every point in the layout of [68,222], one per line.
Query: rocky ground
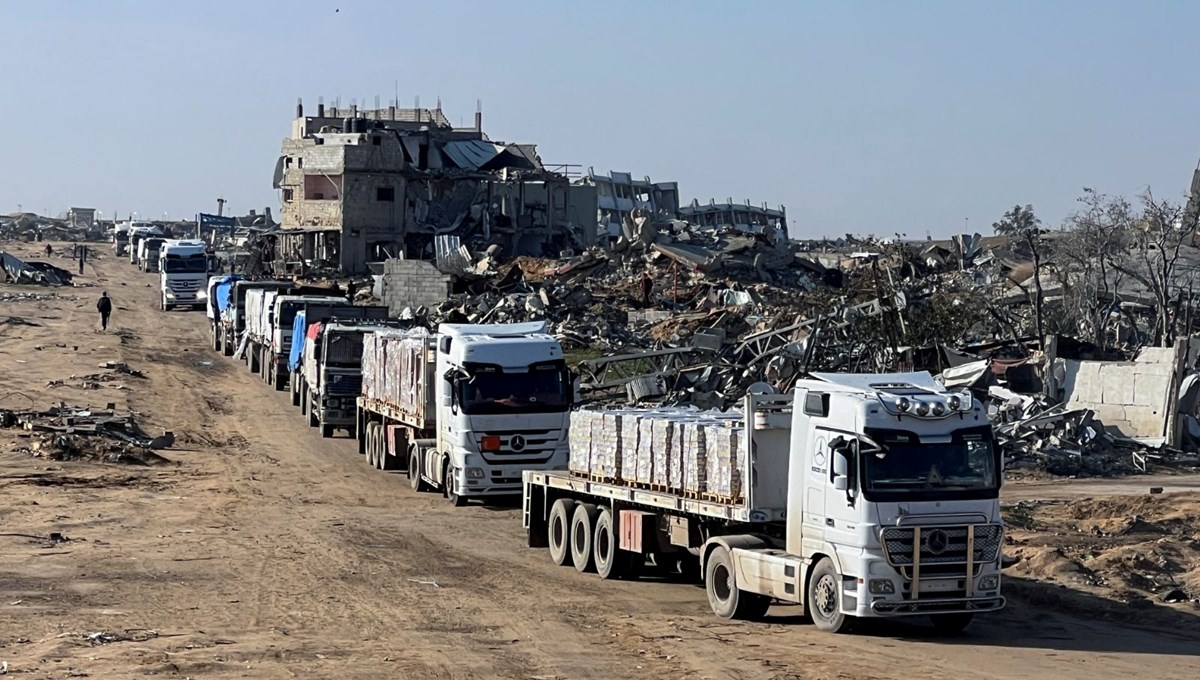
[259,550]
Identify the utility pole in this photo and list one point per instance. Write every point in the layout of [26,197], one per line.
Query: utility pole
[220,207]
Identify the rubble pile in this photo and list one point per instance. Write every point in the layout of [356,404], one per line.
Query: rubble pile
[67,433]
[16,270]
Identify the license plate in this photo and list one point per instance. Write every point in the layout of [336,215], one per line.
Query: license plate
[939,586]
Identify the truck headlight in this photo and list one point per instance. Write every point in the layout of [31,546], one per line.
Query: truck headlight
[474,473]
[881,586]
[170,294]
[989,582]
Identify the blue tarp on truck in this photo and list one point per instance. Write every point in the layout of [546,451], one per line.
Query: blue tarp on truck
[299,330]
[223,291]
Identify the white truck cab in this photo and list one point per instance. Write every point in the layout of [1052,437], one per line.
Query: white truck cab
[503,405]
[138,231]
[183,272]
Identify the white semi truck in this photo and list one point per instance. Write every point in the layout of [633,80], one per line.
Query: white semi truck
[467,409]
[183,267]
[147,258]
[863,496]
[138,233]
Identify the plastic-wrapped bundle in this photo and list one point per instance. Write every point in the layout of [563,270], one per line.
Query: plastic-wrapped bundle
[695,457]
[726,458]
[631,427]
[662,432]
[580,441]
[644,470]
[609,454]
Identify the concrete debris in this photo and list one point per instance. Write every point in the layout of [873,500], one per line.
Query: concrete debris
[19,271]
[66,433]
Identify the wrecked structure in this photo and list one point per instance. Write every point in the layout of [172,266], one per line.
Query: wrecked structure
[361,186]
[618,194]
[745,218]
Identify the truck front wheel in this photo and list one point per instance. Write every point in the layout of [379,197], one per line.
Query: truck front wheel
[558,530]
[824,599]
[448,487]
[726,599]
[951,624]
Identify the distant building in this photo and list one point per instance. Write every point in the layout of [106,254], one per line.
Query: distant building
[617,193]
[360,186]
[82,218]
[744,217]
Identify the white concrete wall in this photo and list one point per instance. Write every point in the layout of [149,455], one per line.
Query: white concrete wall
[1132,398]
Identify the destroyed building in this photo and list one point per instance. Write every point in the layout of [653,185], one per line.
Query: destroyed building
[618,193]
[361,186]
[745,217]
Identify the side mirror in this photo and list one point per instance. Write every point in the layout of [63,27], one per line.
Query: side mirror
[841,468]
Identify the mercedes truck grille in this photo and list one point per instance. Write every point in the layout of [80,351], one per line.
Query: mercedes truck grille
[942,544]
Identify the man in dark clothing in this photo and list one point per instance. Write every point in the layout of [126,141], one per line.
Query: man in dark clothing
[104,306]
[82,257]
[49,250]
[351,290]
[647,289]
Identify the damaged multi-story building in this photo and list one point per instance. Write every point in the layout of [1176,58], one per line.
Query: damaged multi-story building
[618,194]
[362,186]
[742,216]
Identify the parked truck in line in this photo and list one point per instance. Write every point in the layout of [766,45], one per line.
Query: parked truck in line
[218,290]
[147,259]
[271,335]
[467,409]
[325,363]
[139,232]
[120,238]
[863,496]
[183,267]
[229,327]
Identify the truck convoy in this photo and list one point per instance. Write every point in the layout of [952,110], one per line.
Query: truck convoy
[183,267]
[854,496]
[325,363]
[466,409]
[857,496]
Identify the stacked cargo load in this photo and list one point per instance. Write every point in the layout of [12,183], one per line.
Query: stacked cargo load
[685,450]
[396,373]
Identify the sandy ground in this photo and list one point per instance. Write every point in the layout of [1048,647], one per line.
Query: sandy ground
[264,551]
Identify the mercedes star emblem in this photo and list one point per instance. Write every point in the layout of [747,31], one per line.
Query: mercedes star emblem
[517,443]
[936,542]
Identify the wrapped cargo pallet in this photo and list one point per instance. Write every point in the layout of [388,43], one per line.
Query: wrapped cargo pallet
[644,468]
[695,457]
[609,458]
[630,433]
[665,458]
[580,442]
[726,459]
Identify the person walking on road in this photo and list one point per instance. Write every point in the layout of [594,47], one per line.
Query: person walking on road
[104,306]
[49,250]
[82,258]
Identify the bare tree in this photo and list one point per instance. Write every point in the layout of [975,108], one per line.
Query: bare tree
[1095,236]
[1157,239]
[1026,229]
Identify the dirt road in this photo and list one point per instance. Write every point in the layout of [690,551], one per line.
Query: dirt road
[264,551]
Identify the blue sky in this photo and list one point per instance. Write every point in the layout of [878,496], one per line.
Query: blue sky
[865,117]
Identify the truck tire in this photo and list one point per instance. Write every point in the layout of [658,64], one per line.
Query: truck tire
[824,599]
[951,624]
[414,469]
[281,381]
[611,562]
[448,489]
[304,400]
[372,442]
[558,530]
[294,391]
[726,599]
[326,431]
[312,417]
[583,523]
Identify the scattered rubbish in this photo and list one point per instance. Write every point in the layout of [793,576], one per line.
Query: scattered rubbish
[64,433]
[122,367]
[425,583]
[1156,489]
[19,271]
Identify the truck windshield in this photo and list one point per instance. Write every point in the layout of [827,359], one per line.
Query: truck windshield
[195,264]
[490,390]
[959,466]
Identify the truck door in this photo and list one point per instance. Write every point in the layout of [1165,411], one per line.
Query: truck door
[816,462]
